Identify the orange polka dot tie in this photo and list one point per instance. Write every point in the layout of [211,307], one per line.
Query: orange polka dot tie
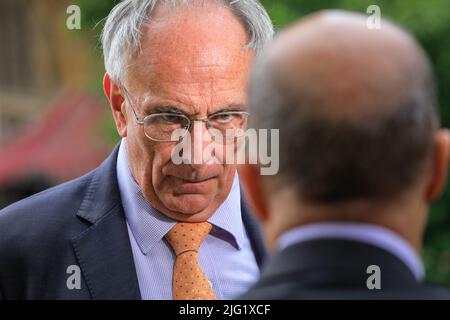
[189,281]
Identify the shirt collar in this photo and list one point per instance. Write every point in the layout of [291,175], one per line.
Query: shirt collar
[149,226]
[367,233]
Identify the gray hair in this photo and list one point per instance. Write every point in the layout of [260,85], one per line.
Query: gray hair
[122,32]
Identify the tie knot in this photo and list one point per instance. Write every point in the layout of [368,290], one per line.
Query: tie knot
[187,236]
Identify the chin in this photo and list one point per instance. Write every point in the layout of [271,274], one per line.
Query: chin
[190,204]
[190,207]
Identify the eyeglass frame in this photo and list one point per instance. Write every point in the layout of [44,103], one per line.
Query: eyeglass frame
[141,121]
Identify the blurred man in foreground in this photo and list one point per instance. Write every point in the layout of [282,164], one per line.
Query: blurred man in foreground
[361,157]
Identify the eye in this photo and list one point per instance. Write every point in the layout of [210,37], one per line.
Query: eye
[222,117]
[172,118]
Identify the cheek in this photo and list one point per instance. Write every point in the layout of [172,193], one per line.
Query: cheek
[162,158]
[141,159]
[227,176]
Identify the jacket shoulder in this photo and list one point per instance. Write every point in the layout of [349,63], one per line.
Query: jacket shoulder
[43,215]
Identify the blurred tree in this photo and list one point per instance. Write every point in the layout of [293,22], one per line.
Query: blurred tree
[429,21]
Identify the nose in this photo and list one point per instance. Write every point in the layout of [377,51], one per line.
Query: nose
[201,139]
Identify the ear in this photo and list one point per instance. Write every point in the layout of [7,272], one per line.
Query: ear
[107,85]
[117,103]
[440,164]
[254,190]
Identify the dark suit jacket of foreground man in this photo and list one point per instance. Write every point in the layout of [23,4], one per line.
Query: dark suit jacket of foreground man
[79,223]
[337,269]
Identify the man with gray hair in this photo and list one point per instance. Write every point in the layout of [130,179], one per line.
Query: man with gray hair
[141,226]
[357,108]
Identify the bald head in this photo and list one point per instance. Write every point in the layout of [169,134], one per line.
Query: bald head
[357,106]
[346,68]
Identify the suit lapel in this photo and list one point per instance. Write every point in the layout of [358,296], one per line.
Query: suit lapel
[103,250]
[254,233]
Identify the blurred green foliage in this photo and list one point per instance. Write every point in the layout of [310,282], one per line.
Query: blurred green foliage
[429,21]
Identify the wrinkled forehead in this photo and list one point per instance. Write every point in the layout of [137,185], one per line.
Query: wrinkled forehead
[189,44]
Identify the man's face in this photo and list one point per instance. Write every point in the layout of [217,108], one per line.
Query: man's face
[193,61]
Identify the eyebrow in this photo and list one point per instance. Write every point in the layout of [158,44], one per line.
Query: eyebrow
[231,107]
[173,108]
[164,109]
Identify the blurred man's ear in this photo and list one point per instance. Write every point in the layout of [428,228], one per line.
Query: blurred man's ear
[116,101]
[441,158]
[254,190]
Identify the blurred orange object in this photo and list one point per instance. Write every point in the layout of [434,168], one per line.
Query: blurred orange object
[65,144]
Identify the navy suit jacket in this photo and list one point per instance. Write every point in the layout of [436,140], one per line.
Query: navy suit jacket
[80,223]
[331,269]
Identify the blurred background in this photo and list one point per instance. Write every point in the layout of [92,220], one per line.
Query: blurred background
[55,124]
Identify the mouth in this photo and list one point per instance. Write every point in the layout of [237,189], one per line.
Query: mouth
[190,186]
